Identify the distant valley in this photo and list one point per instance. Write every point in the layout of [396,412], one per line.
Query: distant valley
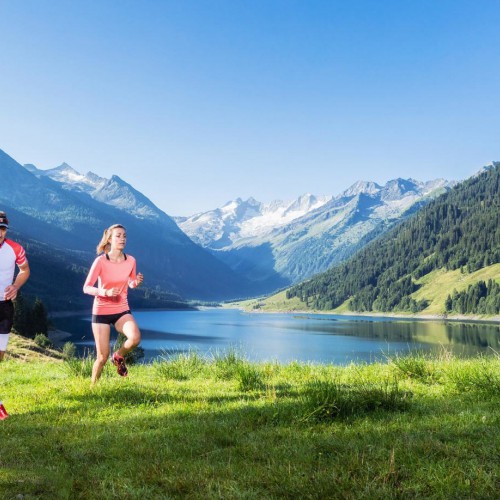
[285,242]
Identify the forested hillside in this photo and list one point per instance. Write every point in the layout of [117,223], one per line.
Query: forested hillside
[458,230]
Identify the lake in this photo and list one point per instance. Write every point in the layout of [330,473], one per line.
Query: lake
[318,338]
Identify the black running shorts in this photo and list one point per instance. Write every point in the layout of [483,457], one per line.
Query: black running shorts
[108,319]
[6,316]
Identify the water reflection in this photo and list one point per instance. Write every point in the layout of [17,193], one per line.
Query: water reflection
[302,337]
[469,334]
[466,334]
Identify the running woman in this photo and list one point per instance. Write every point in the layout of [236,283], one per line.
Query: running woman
[114,272]
[11,253]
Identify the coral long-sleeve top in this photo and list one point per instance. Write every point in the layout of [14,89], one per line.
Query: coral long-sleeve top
[110,274]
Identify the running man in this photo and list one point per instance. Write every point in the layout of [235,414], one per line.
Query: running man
[11,253]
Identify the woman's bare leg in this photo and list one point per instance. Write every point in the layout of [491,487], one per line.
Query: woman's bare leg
[127,325]
[101,336]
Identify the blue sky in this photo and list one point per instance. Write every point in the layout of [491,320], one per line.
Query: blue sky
[198,102]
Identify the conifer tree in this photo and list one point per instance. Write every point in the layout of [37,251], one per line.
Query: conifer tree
[39,318]
[21,315]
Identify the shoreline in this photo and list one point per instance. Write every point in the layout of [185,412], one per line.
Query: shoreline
[423,317]
[428,317]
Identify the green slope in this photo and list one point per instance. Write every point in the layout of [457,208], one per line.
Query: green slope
[451,243]
[437,285]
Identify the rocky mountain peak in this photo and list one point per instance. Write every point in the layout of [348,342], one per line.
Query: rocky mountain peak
[397,188]
[358,187]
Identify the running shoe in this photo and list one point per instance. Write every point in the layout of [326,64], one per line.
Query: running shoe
[119,362]
[3,412]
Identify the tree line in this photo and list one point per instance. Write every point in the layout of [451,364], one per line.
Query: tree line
[458,230]
[30,318]
[479,298]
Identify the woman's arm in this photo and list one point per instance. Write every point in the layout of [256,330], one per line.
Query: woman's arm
[88,286]
[135,279]
[139,278]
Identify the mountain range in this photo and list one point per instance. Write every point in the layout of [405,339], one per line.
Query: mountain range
[285,242]
[60,215]
[243,249]
[445,259]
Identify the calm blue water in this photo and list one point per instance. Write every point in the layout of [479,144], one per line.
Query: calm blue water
[300,337]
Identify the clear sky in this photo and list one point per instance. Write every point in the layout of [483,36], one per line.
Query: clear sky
[198,102]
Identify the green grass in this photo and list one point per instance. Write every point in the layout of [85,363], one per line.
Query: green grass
[222,427]
[437,285]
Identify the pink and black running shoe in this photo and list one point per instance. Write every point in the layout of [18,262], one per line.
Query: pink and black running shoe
[119,362]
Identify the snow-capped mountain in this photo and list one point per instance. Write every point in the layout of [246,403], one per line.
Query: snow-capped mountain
[238,219]
[288,242]
[114,192]
[69,177]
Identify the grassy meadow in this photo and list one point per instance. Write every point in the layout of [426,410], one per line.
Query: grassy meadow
[222,427]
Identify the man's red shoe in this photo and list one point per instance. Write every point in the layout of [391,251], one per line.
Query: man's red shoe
[3,412]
